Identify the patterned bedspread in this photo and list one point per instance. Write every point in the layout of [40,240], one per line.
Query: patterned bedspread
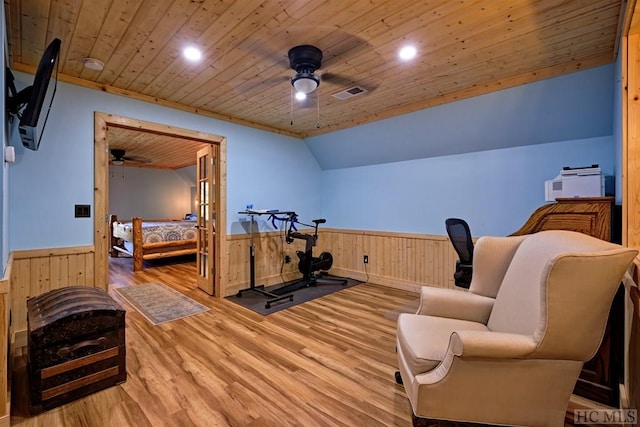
[153,232]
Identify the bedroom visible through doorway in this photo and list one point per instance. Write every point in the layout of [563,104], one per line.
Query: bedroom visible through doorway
[132,151]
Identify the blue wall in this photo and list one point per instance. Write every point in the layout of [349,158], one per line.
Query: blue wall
[263,168]
[4,176]
[484,159]
[495,191]
[569,107]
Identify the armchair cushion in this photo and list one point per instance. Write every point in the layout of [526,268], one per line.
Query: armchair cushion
[492,257]
[425,339]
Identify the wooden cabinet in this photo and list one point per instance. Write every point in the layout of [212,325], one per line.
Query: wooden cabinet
[588,215]
[600,376]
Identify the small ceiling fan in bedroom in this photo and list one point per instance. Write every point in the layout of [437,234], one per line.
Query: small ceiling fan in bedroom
[118,157]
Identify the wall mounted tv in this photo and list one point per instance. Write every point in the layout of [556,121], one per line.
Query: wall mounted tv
[27,104]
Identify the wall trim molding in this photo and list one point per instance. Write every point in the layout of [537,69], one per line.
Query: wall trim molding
[39,253]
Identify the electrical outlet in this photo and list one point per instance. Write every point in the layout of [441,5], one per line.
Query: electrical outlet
[366,259]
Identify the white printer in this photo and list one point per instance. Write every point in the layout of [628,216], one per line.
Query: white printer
[578,182]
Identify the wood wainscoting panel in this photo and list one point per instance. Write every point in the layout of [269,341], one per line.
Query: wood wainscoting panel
[35,272]
[5,351]
[398,260]
[633,356]
[270,266]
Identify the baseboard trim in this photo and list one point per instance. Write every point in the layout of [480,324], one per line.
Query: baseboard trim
[50,252]
[342,272]
[377,280]
[19,340]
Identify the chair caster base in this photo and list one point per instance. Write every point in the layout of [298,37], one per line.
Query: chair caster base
[398,377]
[423,422]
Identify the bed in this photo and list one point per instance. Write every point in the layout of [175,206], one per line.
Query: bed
[152,239]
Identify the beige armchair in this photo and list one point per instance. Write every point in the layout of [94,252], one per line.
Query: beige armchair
[510,349]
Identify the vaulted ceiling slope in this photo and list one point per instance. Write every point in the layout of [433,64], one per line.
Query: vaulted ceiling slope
[464,48]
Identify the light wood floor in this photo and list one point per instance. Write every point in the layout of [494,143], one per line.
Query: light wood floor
[328,362]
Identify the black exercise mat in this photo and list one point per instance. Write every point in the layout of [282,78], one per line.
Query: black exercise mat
[257,302]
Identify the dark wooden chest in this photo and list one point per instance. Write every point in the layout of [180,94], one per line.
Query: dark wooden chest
[76,345]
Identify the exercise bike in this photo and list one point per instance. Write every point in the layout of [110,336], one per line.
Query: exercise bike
[308,264]
[312,268]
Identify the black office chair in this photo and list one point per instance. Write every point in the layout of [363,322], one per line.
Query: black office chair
[460,236]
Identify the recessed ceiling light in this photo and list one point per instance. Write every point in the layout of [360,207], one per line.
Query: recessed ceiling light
[407,53]
[93,64]
[192,53]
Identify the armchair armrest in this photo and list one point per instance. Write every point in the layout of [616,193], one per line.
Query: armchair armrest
[483,345]
[499,345]
[455,304]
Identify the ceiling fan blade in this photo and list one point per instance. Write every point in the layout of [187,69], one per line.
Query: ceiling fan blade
[258,50]
[247,86]
[136,159]
[338,79]
[119,155]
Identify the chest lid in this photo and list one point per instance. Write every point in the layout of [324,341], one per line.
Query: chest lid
[70,307]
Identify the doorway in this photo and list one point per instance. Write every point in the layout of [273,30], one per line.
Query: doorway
[102,123]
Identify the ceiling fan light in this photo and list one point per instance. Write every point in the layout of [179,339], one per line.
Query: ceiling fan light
[305,82]
[117,162]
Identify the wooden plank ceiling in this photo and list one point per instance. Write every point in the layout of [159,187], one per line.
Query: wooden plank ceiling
[465,48]
[150,149]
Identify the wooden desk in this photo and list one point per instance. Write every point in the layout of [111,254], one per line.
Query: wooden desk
[600,376]
[588,215]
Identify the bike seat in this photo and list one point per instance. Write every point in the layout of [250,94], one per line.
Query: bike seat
[319,221]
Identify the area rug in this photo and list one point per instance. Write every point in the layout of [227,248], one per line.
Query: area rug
[258,302]
[160,304]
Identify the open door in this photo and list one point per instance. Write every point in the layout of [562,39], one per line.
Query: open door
[206,173]
[214,251]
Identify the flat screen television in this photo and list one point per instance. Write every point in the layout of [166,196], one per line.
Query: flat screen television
[27,104]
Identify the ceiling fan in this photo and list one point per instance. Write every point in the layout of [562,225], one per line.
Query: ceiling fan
[118,157]
[306,60]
